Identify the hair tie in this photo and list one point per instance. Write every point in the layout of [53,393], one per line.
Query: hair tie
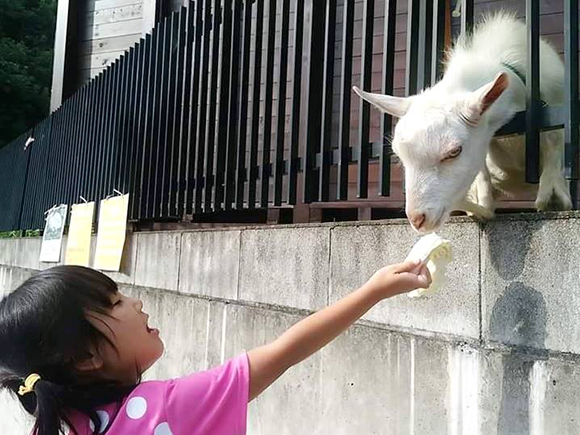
[29,383]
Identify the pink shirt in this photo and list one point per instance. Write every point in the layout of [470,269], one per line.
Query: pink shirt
[213,402]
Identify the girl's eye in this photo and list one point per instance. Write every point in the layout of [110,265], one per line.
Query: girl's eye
[119,301]
[452,154]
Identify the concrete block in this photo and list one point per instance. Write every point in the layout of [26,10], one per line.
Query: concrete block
[183,326]
[129,290]
[12,277]
[530,283]
[465,392]
[285,266]
[158,260]
[508,398]
[359,251]
[216,340]
[19,276]
[556,382]
[292,405]
[378,382]
[8,249]
[525,394]
[5,252]
[210,263]
[5,280]
[28,252]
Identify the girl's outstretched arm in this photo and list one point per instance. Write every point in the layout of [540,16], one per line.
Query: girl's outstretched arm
[269,362]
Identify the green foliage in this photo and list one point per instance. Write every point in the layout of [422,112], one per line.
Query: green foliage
[26,49]
[18,233]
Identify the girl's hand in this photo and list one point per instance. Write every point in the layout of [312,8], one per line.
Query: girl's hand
[399,278]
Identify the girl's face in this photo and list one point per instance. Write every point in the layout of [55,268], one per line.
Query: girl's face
[136,345]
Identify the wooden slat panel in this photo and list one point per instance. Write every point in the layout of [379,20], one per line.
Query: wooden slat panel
[106,45]
[114,15]
[89,74]
[107,30]
[99,61]
[97,5]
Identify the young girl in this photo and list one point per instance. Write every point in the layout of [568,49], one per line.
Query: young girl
[74,350]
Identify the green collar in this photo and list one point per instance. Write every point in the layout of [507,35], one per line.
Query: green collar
[521,77]
[515,71]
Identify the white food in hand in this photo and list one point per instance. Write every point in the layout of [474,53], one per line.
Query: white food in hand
[435,252]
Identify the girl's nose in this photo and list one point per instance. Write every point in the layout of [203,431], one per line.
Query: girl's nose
[139,304]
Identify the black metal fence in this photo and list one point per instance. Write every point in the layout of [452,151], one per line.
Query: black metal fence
[236,105]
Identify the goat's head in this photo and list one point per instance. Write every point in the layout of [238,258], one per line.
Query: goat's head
[442,141]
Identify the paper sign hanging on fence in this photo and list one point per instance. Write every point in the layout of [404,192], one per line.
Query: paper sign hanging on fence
[111,233]
[52,238]
[78,247]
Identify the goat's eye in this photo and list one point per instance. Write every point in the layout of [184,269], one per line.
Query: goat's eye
[452,154]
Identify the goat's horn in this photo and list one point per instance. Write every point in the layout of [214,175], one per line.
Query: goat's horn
[395,106]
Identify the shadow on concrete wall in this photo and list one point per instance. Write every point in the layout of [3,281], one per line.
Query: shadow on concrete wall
[518,317]
[508,246]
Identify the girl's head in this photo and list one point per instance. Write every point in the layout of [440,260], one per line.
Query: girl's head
[88,342]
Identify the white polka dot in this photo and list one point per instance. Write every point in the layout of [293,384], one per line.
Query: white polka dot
[104,417]
[137,407]
[162,429]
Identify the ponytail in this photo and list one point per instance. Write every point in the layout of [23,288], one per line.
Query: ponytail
[48,409]
[49,402]
[41,399]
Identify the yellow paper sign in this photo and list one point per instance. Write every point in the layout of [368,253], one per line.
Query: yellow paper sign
[111,233]
[78,247]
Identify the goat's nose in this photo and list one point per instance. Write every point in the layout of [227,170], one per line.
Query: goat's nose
[416,219]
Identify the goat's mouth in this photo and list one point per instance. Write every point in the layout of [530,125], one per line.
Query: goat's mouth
[432,225]
[442,219]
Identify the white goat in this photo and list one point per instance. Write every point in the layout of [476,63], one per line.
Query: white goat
[444,136]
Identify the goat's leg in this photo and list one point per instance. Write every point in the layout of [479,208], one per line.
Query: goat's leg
[480,201]
[485,196]
[475,210]
[553,192]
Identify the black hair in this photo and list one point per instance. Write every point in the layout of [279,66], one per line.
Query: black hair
[44,329]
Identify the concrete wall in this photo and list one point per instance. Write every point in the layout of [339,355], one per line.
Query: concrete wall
[495,352]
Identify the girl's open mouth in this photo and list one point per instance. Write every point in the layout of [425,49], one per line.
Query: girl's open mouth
[154,331]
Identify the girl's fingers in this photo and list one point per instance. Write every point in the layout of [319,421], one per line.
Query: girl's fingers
[424,273]
[425,281]
[408,266]
[421,277]
[419,269]
[420,281]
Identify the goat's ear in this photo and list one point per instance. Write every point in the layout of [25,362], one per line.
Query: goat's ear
[488,94]
[395,106]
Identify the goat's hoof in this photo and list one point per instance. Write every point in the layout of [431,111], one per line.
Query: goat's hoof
[542,204]
[557,201]
[563,201]
[481,217]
